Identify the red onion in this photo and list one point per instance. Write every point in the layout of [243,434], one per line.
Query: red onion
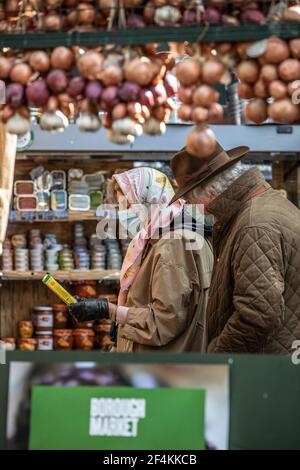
[37,93]
[109,98]
[251,16]
[146,98]
[189,19]
[129,91]
[212,16]
[135,22]
[57,81]
[93,91]
[76,86]
[14,94]
[171,85]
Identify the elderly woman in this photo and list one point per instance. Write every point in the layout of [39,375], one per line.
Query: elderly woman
[165,275]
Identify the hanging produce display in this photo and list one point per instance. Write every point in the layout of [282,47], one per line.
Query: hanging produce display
[197,76]
[269,74]
[88,15]
[130,93]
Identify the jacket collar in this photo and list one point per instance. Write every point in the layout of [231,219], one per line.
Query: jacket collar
[230,201]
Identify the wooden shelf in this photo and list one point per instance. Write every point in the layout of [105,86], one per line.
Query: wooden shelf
[71,216]
[102,37]
[72,275]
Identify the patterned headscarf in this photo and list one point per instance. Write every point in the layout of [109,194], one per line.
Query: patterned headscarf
[145,186]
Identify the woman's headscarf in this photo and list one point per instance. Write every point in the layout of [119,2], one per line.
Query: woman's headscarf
[145,186]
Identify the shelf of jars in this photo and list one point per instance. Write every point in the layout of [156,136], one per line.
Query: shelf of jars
[72,275]
[52,216]
[222,33]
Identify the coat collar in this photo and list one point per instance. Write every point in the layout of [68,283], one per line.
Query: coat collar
[228,203]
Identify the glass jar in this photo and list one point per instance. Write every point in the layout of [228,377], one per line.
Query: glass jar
[27,344]
[84,339]
[8,344]
[43,318]
[60,316]
[25,329]
[44,341]
[103,340]
[63,339]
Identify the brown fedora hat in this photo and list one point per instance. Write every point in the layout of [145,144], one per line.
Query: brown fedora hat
[190,171]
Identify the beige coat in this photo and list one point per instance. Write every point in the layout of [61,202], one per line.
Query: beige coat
[254,304]
[167,300]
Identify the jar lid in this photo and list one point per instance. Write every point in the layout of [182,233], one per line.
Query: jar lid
[27,340]
[59,307]
[8,340]
[82,331]
[44,333]
[42,308]
[106,328]
[62,332]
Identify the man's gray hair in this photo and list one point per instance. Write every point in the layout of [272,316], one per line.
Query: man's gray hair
[219,183]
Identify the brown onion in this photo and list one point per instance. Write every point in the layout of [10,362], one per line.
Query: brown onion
[204,96]
[148,12]
[201,141]
[277,50]
[256,111]
[53,4]
[20,73]
[248,71]
[245,91]
[199,114]
[268,73]
[72,17]
[39,61]
[185,94]
[12,7]
[62,58]
[212,72]
[284,111]
[119,111]
[90,65]
[289,70]
[112,75]
[52,104]
[260,89]
[52,22]
[5,67]
[86,13]
[7,113]
[295,48]
[140,71]
[184,112]
[188,72]
[278,89]
[224,47]
[215,112]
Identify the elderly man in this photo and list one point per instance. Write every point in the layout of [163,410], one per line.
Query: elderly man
[254,303]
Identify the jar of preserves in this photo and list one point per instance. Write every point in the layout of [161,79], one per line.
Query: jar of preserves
[8,344]
[27,344]
[84,339]
[44,341]
[60,316]
[43,318]
[103,339]
[63,339]
[112,298]
[25,329]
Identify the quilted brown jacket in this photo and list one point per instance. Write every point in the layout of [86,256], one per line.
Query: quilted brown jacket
[254,304]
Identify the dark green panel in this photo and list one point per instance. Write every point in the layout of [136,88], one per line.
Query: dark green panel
[264,392]
[102,37]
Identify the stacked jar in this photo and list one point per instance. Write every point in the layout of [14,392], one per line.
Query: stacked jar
[66,260]
[114,258]
[36,250]
[26,342]
[81,253]
[7,257]
[43,323]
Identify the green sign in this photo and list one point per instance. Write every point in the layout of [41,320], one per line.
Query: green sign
[111,418]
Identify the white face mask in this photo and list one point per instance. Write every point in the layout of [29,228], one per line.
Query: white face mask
[131,221]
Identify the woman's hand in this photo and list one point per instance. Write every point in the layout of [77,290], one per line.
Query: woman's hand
[89,309]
